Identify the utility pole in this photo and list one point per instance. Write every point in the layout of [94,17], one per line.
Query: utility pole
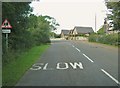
[95,23]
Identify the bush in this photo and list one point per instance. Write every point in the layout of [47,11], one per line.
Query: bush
[111,39]
[93,38]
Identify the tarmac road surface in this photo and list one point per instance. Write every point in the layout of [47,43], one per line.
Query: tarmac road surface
[74,63]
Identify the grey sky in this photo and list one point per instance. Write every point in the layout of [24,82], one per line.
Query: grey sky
[70,13]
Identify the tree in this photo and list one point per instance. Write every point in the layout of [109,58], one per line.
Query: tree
[28,30]
[114,8]
[45,25]
[101,31]
[17,14]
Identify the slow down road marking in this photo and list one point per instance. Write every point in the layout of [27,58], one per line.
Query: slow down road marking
[88,58]
[115,80]
[59,66]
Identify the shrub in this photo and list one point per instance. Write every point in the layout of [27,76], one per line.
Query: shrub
[111,39]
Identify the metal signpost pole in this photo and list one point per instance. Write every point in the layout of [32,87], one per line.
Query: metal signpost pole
[6,38]
[6,42]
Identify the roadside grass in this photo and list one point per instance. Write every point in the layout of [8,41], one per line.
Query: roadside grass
[13,71]
[105,44]
[115,46]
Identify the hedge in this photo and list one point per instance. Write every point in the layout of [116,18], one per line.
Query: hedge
[112,39]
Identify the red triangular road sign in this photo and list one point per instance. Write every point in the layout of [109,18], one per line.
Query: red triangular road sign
[6,24]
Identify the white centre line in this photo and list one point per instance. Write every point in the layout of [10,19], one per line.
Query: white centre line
[110,76]
[88,58]
[77,49]
[73,46]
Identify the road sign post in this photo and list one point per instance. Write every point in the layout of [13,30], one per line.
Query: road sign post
[6,41]
[6,29]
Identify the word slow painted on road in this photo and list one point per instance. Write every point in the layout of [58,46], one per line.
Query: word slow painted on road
[59,66]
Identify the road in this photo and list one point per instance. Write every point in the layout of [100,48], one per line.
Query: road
[74,63]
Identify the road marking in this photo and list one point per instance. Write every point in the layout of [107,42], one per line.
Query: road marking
[88,58]
[75,65]
[37,66]
[45,67]
[77,49]
[110,76]
[59,66]
[40,66]
[65,66]
[73,46]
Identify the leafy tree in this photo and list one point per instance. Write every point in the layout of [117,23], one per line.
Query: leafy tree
[101,31]
[115,16]
[17,14]
[28,30]
[53,23]
[41,27]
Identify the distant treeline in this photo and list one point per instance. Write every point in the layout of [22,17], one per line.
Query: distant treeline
[28,30]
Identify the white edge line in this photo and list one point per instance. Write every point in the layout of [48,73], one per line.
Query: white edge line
[73,46]
[88,58]
[110,76]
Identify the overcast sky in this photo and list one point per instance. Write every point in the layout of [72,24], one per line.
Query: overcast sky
[70,13]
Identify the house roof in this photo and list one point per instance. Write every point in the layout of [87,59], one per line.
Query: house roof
[83,29]
[71,31]
[65,32]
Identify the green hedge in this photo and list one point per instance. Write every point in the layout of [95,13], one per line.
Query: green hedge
[111,39]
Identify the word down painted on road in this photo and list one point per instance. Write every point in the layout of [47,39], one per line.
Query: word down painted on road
[59,66]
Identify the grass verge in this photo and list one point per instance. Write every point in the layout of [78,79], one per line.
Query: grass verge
[105,44]
[13,71]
